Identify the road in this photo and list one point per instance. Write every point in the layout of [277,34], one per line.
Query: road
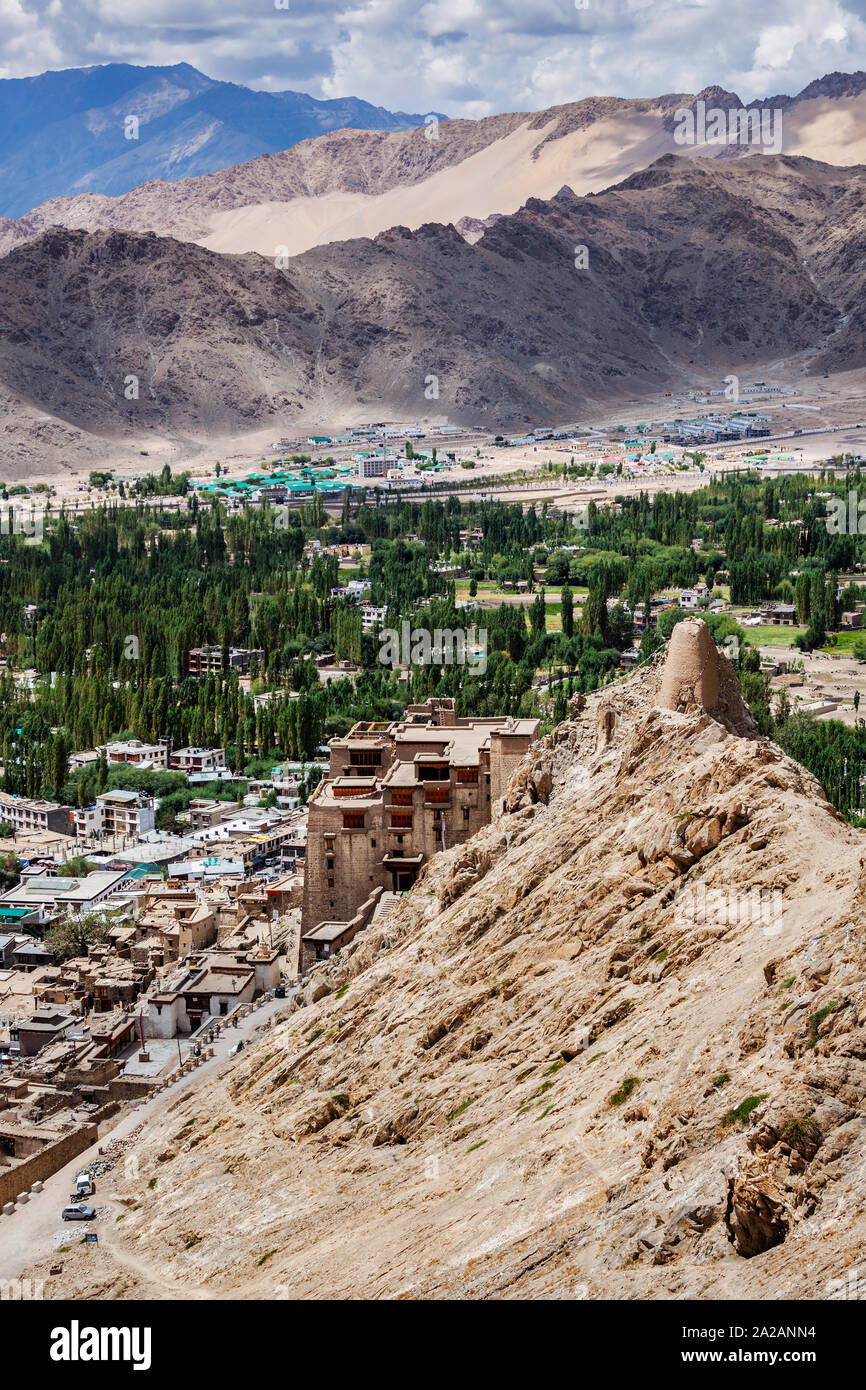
[35,1230]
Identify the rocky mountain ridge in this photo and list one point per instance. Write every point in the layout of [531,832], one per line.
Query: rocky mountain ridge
[69,132]
[727,264]
[358,182]
[613,1047]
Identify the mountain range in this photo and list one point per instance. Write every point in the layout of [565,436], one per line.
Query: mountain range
[350,183]
[709,262]
[67,132]
[246,298]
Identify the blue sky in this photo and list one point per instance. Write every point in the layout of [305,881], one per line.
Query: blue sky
[463,57]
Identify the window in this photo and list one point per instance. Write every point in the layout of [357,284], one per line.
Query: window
[363,757]
[467,775]
[373,843]
[331,882]
[401,796]
[353,820]
[401,818]
[465,812]
[433,772]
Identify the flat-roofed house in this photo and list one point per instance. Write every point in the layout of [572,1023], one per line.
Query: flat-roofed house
[137,754]
[30,815]
[198,760]
[117,813]
[47,894]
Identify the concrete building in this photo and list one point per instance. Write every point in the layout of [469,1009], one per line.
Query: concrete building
[372,616]
[397,793]
[137,754]
[28,815]
[204,814]
[198,760]
[116,813]
[204,661]
[49,894]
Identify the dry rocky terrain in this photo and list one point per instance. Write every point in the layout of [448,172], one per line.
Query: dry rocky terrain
[583,1058]
[705,263]
[351,183]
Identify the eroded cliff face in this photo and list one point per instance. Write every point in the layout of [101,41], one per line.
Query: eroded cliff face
[614,1046]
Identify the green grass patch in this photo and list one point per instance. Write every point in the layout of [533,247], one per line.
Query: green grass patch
[800,1129]
[459,1109]
[817,1018]
[624,1090]
[739,1115]
[769,635]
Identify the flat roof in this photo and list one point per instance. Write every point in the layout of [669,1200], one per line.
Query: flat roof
[44,888]
[220,981]
[327,931]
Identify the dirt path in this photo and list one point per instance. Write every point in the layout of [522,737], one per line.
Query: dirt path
[35,1231]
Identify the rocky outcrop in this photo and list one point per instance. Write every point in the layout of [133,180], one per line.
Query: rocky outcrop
[616,1043]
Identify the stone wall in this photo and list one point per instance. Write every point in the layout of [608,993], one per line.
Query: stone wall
[46,1162]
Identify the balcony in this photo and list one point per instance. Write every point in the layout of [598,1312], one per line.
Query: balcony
[437,796]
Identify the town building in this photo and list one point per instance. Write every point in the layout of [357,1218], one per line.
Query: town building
[208,661]
[138,754]
[779,613]
[204,813]
[116,813]
[372,616]
[198,760]
[27,815]
[42,1027]
[48,894]
[397,793]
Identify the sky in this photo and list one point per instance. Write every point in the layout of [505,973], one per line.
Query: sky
[462,57]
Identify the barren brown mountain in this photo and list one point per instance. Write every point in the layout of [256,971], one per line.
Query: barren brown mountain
[709,262]
[357,183]
[612,1047]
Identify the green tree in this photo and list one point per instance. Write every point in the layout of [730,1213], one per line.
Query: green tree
[567,601]
[73,934]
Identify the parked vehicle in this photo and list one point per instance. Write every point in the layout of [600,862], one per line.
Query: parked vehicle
[84,1185]
[280,992]
[78,1211]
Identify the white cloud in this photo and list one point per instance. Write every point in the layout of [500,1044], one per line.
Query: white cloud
[464,57]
